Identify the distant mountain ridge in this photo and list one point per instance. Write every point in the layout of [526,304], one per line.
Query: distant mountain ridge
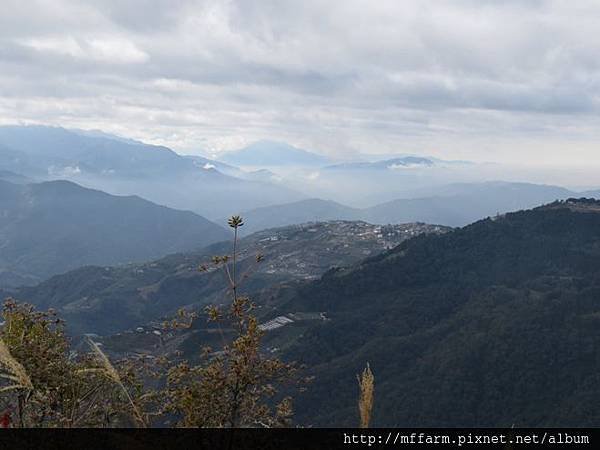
[124,167]
[272,154]
[51,227]
[452,205]
[48,149]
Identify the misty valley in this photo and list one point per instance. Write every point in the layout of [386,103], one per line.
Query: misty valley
[465,299]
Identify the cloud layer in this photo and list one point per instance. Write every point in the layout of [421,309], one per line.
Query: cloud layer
[513,80]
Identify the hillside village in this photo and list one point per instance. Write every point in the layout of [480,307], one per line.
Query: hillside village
[293,253]
[327,244]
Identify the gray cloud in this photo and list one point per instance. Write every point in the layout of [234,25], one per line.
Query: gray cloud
[342,77]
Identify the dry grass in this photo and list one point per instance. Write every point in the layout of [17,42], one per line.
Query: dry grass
[366,384]
[15,372]
[109,371]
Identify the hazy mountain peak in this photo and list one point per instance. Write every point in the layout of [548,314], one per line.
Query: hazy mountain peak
[271,153]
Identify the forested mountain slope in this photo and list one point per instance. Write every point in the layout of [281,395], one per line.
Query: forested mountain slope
[494,324]
[52,227]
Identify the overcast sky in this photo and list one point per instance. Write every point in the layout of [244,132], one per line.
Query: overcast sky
[485,80]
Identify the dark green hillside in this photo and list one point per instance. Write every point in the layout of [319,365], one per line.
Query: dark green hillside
[50,228]
[494,324]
